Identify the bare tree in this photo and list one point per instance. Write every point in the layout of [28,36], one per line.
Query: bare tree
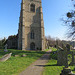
[70,22]
[51,41]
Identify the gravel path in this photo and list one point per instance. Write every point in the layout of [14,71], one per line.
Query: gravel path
[37,67]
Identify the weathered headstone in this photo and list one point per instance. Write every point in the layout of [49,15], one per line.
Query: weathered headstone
[66,70]
[62,57]
[5,50]
[68,47]
[6,57]
[23,55]
[73,59]
[16,55]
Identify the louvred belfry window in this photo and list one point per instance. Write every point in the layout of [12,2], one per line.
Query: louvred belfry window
[32,7]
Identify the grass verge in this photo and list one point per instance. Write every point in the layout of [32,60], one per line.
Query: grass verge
[51,68]
[53,49]
[15,65]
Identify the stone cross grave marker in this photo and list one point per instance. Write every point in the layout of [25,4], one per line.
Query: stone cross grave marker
[66,70]
[5,50]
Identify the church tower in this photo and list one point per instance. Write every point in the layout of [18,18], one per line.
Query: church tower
[31,26]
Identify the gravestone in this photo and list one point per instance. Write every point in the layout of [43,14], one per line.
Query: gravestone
[23,55]
[73,59]
[66,70]
[5,50]
[16,55]
[5,57]
[62,57]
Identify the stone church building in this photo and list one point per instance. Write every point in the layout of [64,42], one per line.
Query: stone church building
[31,26]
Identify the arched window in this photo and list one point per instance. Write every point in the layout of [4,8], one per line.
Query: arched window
[32,7]
[32,35]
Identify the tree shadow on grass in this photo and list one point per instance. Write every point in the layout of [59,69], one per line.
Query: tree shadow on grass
[46,65]
[73,70]
[20,52]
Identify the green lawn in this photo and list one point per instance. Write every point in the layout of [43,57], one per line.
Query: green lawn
[15,65]
[47,49]
[53,49]
[51,67]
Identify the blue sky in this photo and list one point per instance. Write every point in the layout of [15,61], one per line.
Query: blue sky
[53,10]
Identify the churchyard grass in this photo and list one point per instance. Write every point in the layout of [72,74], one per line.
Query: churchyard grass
[47,49]
[53,49]
[51,68]
[15,65]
